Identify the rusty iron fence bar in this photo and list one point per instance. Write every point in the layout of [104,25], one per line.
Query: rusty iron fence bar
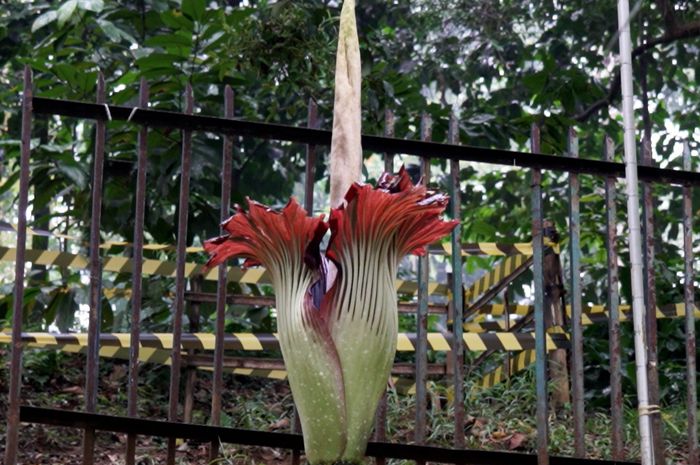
[613,297]
[688,293]
[221,297]
[575,293]
[538,270]
[180,282]
[380,418]
[136,281]
[12,437]
[380,144]
[457,291]
[649,255]
[92,364]
[310,169]
[422,313]
[280,440]
[194,317]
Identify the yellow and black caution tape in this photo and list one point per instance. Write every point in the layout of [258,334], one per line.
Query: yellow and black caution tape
[492,248]
[518,362]
[168,268]
[501,271]
[590,315]
[266,341]
[405,386]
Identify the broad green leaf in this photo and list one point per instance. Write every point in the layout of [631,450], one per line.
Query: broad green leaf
[158,60]
[91,5]
[44,19]
[169,40]
[66,11]
[194,9]
[114,33]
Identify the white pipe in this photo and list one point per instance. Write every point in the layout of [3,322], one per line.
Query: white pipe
[635,235]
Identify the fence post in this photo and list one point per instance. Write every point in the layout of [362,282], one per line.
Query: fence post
[380,419]
[457,290]
[180,281]
[11,442]
[617,439]
[422,311]
[650,304]
[92,375]
[226,173]
[689,294]
[575,289]
[540,332]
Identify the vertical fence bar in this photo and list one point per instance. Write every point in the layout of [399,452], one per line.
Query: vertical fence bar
[92,374]
[12,438]
[226,173]
[422,311]
[380,418]
[180,273]
[618,449]
[576,325]
[194,317]
[689,295]
[389,123]
[457,300]
[312,122]
[136,284]
[650,303]
[540,333]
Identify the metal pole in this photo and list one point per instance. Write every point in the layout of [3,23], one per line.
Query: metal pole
[218,381]
[422,313]
[174,396]
[635,234]
[12,439]
[540,332]
[689,294]
[576,327]
[617,436]
[457,300]
[136,284]
[92,374]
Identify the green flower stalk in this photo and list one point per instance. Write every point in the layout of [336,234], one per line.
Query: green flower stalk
[337,311]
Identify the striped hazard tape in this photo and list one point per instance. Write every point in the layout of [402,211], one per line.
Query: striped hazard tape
[265,341]
[168,268]
[501,271]
[591,314]
[491,248]
[518,362]
[405,386]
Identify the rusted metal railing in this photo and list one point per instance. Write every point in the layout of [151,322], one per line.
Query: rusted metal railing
[313,137]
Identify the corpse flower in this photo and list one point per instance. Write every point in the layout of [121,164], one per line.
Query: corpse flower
[337,310]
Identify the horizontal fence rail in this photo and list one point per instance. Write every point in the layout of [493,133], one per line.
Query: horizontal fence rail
[280,440]
[159,118]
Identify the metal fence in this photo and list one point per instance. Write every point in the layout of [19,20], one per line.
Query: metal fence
[144,118]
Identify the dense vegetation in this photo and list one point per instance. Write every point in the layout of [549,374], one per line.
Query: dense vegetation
[500,66]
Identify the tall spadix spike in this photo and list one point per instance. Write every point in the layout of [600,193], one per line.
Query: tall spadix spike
[346,148]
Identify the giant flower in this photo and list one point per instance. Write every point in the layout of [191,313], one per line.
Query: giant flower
[337,311]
